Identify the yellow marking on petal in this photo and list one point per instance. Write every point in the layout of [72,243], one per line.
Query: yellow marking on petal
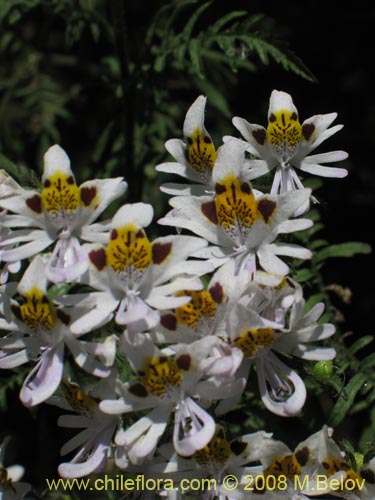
[284,131]
[332,465]
[286,465]
[37,311]
[78,400]
[201,153]
[251,340]
[216,452]
[236,206]
[161,374]
[129,247]
[201,306]
[60,195]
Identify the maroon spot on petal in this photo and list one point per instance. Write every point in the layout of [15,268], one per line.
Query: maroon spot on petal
[209,210]
[169,321]
[238,447]
[293,116]
[140,234]
[160,252]
[325,465]
[302,456]
[246,188]
[87,195]
[184,361]
[368,476]
[45,299]
[207,139]
[16,310]
[163,359]
[63,317]
[190,141]
[259,135]
[114,234]
[138,390]
[272,118]
[47,183]
[219,188]
[35,204]
[98,258]
[266,208]
[307,130]
[70,180]
[217,293]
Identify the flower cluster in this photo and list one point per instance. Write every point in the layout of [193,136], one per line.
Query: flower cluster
[171,330]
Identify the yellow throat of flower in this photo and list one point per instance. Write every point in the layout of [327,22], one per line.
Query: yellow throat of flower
[60,194]
[37,311]
[129,247]
[160,375]
[201,153]
[284,131]
[216,453]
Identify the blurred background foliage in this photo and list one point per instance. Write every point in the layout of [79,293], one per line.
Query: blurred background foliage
[111,81]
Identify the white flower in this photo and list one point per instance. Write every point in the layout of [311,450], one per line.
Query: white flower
[239,225]
[256,325]
[173,384]
[286,144]
[356,483]
[94,441]
[195,160]
[135,276]
[61,213]
[39,331]
[10,487]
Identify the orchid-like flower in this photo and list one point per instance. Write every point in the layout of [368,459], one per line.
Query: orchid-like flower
[256,326]
[39,332]
[203,370]
[220,457]
[238,224]
[61,214]
[94,441]
[286,145]
[356,480]
[10,486]
[136,277]
[195,160]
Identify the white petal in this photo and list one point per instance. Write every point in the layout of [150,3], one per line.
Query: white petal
[34,277]
[107,190]
[282,391]
[12,360]
[323,171]
[229,161]
[27,250]
[140,214]
[55,159]
[281,100]
[193,428]
[84,359]
[44,378]
[195,116]
[271,263]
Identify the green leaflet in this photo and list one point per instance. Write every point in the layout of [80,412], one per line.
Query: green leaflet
[348,249]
